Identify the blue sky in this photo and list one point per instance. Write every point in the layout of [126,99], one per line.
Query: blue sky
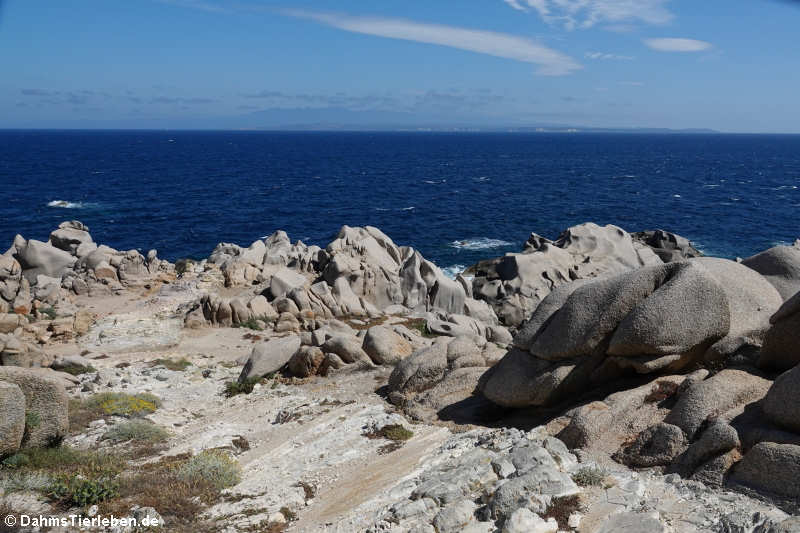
[731,65]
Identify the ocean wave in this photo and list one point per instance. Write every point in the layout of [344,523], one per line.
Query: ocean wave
[481,243]
[434,182]
[64,204]
[395,209]
[453,270]
[482,178]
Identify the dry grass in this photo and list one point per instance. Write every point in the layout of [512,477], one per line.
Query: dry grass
[178,365]
[420,325]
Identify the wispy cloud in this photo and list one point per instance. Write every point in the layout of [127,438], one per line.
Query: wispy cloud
[677,45]
[573,14]
[202,5]
[550,62]
[605,56]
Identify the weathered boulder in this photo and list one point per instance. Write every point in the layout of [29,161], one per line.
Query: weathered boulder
[384,346]
[38,257]
[306,361]
[46,401]
[653,319]
[668,246]
[523,520]
[782,402]
[270,356]
[284,280]
[515,283]
[658,445]
[717,439]
[781,348]
[70,236]
[421,370]
[632,522]
[12,417]
[346,347]
[780,265]
[770,468]
[713,397]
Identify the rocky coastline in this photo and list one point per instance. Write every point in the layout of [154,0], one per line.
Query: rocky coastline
[602,381]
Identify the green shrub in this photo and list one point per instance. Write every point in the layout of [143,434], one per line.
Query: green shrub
[214,467]
[140,431]
[32,420]
[589,476]
[49,312]
[232,388]
[127,405]
[82,491]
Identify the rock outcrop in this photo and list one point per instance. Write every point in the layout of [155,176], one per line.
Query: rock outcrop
[653,319]
[515,284]
[781,348]
[781,266]
[668,246]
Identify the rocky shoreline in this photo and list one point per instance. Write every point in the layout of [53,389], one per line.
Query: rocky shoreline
[602,381]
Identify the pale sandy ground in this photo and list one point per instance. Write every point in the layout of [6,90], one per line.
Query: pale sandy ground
[322,444]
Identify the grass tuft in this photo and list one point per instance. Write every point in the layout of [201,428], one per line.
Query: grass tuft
[138,431]
[77,370]
[214,467]
[589,476]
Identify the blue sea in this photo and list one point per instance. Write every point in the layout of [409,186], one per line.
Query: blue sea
[457,197]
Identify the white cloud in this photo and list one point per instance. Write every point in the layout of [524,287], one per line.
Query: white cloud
[587,13]
[677,45]
[550,62]
[605,56]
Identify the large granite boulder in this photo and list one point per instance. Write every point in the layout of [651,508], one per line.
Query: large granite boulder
[46,401]
[770,468]
[72,237]
[725,391]
[781,348]
[38,257]
[270,356]
[782,402]
[384,346]
[781,266]
[515,283]
[12,417]
[653,319]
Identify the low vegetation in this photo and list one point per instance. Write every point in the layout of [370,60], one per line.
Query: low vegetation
[136,431]
[180,487]
[183,265]
[232,388]
[77,370]
[420,325]
[103,405]
[590,476]
[393,432]
[177,365]
[253,323]
[122,404]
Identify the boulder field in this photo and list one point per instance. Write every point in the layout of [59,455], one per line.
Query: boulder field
[615,374]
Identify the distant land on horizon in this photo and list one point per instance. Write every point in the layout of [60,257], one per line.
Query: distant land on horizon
[342,119]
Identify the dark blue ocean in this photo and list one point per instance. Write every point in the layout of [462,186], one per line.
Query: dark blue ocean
[457,197]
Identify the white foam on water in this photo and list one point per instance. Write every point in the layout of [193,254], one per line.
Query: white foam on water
[64,204]
[480,243]
[453,270]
